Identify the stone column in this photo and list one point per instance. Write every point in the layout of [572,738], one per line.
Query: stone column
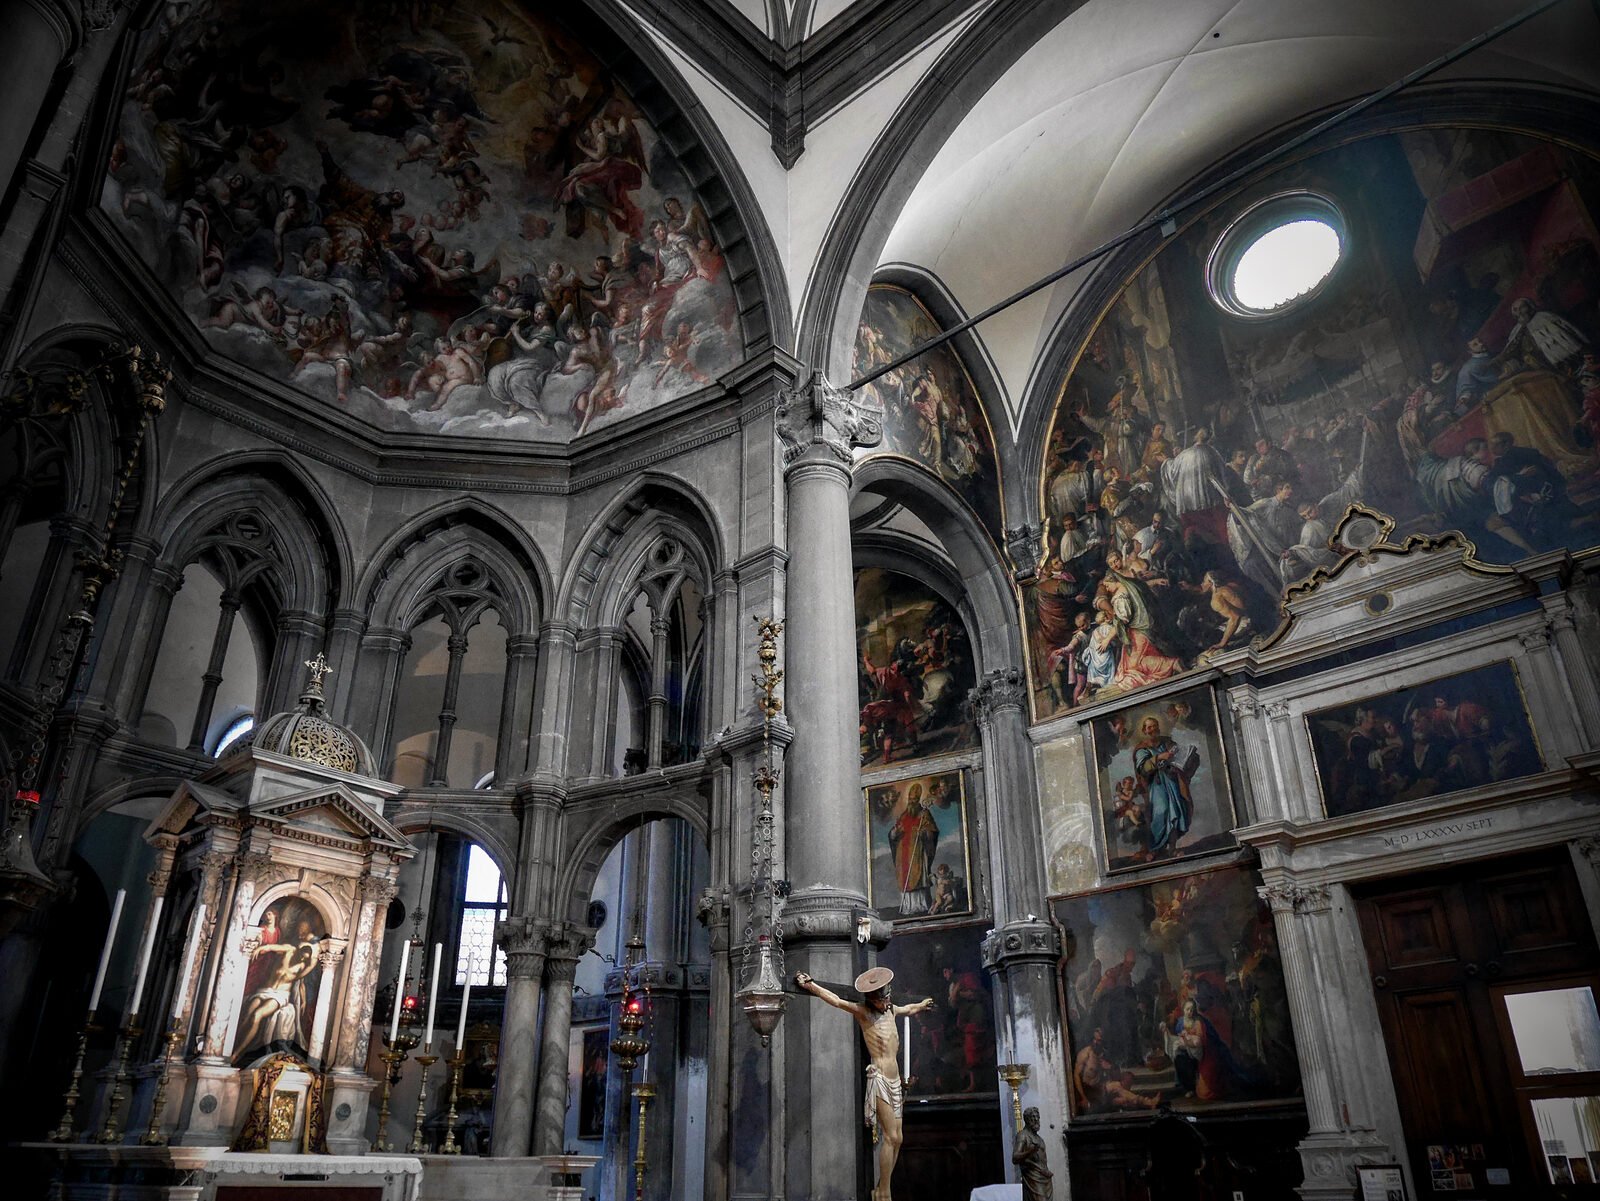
[598,684]
[344,653]
[656,723]
[523,940]
[1344,1073]
[39,36]
[824,820]
[212,678]
[330,955]
[300,636]
[552,710]
[383,658]
[516,708]
[566,945]
[456,645]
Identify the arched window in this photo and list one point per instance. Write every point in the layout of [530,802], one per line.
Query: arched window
[481,904]
[234,733]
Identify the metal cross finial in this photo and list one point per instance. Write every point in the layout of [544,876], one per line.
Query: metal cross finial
[318,668]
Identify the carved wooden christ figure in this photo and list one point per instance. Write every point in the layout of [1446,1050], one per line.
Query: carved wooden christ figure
[876,1015]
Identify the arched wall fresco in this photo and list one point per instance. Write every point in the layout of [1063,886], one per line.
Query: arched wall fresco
[439,218]
[1445,374]
[932,413]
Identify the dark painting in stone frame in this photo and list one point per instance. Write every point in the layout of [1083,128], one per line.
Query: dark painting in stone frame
[1461,731]
[953,1043]
[1174,994]
[592,1083]
[1446,374]
[1162,780]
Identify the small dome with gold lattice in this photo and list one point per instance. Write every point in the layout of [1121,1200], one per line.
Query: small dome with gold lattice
[307,732]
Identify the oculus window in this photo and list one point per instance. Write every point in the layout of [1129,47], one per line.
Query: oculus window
[1277,255]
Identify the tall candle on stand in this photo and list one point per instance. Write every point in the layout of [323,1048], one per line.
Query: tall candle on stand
[433,993]
[399,992]
[905,1048]
[144,958]
[105,951]
[182,986]
[466,992]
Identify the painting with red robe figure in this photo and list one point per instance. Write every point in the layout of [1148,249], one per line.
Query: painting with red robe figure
[1446,373]
[1464,731]
[1174,994]
[952,1045]
[915,670]
[282,980]
[917,847]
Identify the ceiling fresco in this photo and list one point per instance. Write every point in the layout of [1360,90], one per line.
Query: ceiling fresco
[435,218]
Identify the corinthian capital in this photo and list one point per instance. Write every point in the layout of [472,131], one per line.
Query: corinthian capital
[523,941]
[1002,689]
[817,414]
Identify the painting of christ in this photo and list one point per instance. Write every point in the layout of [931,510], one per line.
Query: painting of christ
[282,980]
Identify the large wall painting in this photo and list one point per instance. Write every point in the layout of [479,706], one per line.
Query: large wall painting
[1163,781]
[282,979]
[1175,993]
[1447,374]
[438,218]
[952,1044]
[1462,731]
[932,414]
[916,670]
[917,861]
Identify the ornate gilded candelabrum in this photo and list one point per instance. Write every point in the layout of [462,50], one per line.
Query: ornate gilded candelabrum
[153,1137]
[644,1090]
[762,998]
[456,1062]
[1014,1074]
[630,1045]
[111,1132]
[418,1146]
[405,1041]
[63,1130]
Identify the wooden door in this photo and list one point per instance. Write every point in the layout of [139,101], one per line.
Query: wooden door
[1446,951]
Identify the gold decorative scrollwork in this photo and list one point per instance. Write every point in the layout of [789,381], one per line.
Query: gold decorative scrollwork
[318,741]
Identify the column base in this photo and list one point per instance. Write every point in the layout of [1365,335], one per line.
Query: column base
[212,1110]
[1330,1161]
[348,1102]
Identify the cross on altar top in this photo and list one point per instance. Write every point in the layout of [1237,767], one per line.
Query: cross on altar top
[318,668]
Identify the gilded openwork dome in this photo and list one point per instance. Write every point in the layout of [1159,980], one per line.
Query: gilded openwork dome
[307,732]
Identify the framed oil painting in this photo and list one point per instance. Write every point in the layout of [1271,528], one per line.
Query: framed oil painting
[592,1083]
[916,669]
[917,863]
[1174,994]
[282,980]
[952,1045]
[1162,776]
[1461,731]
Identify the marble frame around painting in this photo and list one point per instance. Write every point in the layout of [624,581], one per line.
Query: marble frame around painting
[1222,842]
[901,786]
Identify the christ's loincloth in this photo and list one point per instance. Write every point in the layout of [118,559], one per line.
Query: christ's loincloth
[880,1088]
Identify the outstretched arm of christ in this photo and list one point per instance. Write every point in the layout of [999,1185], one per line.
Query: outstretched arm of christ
[807,984]
[902,1010]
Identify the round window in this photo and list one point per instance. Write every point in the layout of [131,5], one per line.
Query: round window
[1278,254]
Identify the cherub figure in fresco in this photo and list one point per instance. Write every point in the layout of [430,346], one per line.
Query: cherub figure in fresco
[262,310]
[676,356]
[451,367]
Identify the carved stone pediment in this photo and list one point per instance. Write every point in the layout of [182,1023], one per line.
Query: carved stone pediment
[328,812]
[192,805]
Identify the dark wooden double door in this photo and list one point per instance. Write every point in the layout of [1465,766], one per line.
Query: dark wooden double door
[1485,979]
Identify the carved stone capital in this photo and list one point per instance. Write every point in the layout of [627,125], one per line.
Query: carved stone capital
[523,941]
[1297,899]
[1536,639]
[378,889]
[1589,848]
[1245,707]
[258,867]
[330,953]
[819,416]
[1276,710]
[1002,689]
[565,946]
[712,907]
[213,863]
[1025,549]
[1030,941]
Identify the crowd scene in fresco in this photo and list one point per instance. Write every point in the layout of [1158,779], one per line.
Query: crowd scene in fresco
[440,217]
[1169,539]
[1171,1015]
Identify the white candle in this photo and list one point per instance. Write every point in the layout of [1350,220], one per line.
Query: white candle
[399,992]
[433,994]
[198,921]
[144,958]
[105,951]
[466,992]
[905,1049]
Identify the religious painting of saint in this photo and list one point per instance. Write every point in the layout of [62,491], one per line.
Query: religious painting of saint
[931,411]
[282,980]
[592,1083]
[915,670]
[1463,731]
[917,865]
[442,218]
[1163,781]
[1174,994]
[1198,462]
[952,1045]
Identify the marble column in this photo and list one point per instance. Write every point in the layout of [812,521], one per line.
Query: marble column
[1350,1100]
[566,945]
[824,821]
[352,1088]
[330,955]
[524,941]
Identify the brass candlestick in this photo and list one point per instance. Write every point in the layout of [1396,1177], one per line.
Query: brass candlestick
[644,1091]
[63,1131]
[456,1062]
[427,1061]
[392,1059]
[109,1133]
[1014,1074]
[158,1102]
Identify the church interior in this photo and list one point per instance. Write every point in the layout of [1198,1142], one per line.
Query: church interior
[717,600]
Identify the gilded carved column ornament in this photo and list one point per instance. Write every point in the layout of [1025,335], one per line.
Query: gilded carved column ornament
[1025,549]
[1004,688]
[818,414]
